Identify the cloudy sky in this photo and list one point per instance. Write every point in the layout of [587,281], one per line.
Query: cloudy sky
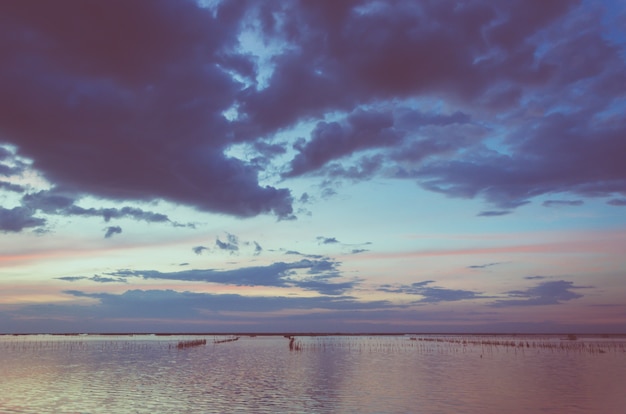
[353,166]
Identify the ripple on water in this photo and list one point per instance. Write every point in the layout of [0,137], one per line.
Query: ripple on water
[330,374]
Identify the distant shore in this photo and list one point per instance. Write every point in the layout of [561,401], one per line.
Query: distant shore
[312,334]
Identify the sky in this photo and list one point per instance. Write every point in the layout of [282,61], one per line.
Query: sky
[312,166]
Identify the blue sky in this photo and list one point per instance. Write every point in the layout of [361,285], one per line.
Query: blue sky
[354,166]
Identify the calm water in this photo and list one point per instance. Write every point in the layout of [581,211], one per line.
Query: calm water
[380,374]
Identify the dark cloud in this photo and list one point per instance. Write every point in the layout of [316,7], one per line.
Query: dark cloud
[325,288]
[357,251]
[362,169]
[5,154]
[493,213]
[72,278]
[231,244]
[97,95]
[546,293]
[327,240]
[309,256]
[410,118]
[104,279]
[483,266]
[346,56]
[552,203]
[507,54]
[304,198]
[432,294]
[9,163]
[17,219]
[269,150]
[16,188]
[328,192]
[95,278]
[172,304]
[617,202]
[535,277]
[361,130]
[61,203]
[112,230]
[503,101]
[199,249]
[316,275]
[266,153]
[178,312]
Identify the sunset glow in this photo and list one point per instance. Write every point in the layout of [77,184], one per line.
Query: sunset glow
[314,166]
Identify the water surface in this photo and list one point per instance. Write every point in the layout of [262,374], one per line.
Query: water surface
[326,374]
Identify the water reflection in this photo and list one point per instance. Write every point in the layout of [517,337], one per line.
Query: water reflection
[329,374]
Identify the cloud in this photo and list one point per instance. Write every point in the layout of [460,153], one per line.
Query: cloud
[327,240]
[199,249]
[305,198]
[173,304]
[361,130]
[483,266]
[309,256]
[546,293]
[617,202]
[493,213]
[231,244]
[112,230]
[525,101]
[17,219]
[357,251]
[72,278]
[57,202]
[362,169]
[16,188]
[501,62]
[95,278]
[98,116]
[104,279]
[10,165]
[552,203]
[314,275]
[432,294]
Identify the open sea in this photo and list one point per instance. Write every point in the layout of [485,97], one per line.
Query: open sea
[312,374]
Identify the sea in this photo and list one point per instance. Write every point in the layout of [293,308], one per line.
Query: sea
[312,374]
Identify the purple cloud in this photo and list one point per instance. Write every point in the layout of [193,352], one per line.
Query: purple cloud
[112,230]
[432,294]
[483,266]
[17,219]
[493,213]
[316,275]
[327,240]
[124,101]
[361,130]
[16,188]
[149,106]
[199,249]
[552,203]
[546,293]
[231,244]
[617,202]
